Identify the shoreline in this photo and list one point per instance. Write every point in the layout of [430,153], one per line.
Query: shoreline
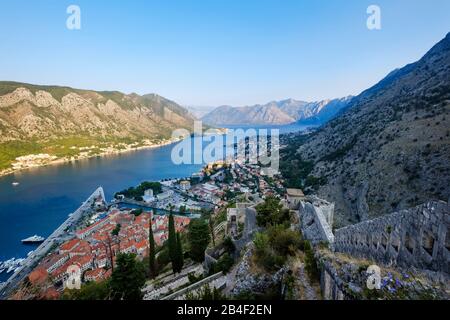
[64,160]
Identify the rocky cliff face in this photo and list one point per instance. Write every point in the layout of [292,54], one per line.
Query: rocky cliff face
[390,148]
[42,115]
[27,111]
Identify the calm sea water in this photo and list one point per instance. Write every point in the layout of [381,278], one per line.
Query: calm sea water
[45,196]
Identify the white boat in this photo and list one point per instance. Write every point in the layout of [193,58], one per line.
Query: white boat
[15,183]
[12,268]
[8,263]
[33,239]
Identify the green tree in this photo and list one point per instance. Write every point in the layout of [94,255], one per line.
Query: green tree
[152,249]
[137,212]
[228,245]
[198,236]
[116,230]
[89,291]
[172,241]
[180,258]
[271,212]
[128,278]
[211,229]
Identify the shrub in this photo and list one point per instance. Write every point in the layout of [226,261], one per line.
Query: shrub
[274,246]
[224,264]
[261,242]
[284,241]
[311,263]
[229,245]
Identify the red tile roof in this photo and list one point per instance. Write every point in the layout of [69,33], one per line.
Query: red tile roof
[38,276]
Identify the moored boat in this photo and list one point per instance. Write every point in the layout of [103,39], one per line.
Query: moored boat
[33,239]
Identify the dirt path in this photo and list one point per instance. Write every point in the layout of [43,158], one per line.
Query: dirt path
[231,279]
[306,291]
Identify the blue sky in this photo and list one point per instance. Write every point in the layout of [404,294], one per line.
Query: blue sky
[217,52]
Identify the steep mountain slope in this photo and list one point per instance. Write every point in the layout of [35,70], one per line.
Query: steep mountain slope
[53,119]
[390,148]
[277,112]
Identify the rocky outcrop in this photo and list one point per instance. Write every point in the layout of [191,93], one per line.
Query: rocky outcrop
[255,283]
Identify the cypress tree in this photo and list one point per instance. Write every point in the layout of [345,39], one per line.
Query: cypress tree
[172,241]
[211,229]
[152,254]
[180,259]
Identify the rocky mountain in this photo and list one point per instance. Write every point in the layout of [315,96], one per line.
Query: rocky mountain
[317,112]
[52,119]
[277,112]
[292,107]
[199,111]
[258,114]
[388,150]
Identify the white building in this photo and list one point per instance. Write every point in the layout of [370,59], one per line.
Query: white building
[148,196]
[165,195]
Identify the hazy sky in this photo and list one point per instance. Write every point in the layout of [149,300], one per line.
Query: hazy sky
[216,52]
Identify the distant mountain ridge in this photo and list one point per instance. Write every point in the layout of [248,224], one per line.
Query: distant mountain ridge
[277,112]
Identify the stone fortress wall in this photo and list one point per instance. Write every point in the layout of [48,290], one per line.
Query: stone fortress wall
[418,237]
[316,220]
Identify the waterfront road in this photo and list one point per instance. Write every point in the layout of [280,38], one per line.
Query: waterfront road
[58,236]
